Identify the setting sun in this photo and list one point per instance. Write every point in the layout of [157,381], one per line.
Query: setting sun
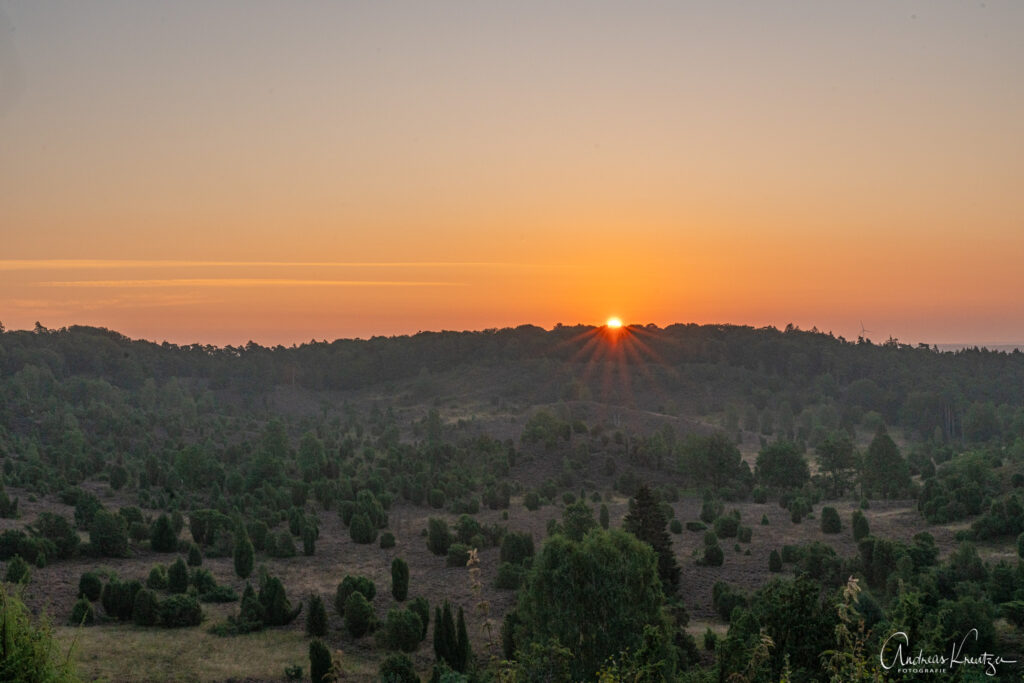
[614,322]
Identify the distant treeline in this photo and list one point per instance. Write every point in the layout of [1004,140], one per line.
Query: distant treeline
[964,394]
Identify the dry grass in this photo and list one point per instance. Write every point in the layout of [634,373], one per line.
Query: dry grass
[129,653]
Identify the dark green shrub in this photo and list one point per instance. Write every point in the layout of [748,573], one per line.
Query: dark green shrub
[725,598]
[177,577]
[458,555]
[195,558]
[203,580]
[257,531]
[276,606]
[710,510]
[358,615]
[775,562]
[439,538]
[517,547]
[696,526]
[17,570]
[362,530]
[532,501]
[675,526]
[713,556]
[352,584]
[108,534]
[466,528]
[744,534]
[764,520]
[180,611]
[309,536]
[399,579]
[320,661]
[157,579]
[316,617]
[90,585]
[421,607]
[603,515]
[830,522]
[82,612]
[860,526]
[145,608]
[510,576]
[790,553]
[59,531]
[398,669]
[283,546]
[163,539]
[118,598]
[387,540]
[402,630]
[710,640]
[137,531]
[435,498]
[244,554]
[219,594]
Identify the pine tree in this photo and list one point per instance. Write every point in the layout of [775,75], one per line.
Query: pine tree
[463,652]
[399,579]
[647,522]
[244,553]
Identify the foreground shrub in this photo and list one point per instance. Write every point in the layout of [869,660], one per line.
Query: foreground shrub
[319,661]
[402,630]
[90,585]
[180,611]
[157,579]
[398,669]
[316,617]
[358,615]
[145,610]
[17,570]
[82,612]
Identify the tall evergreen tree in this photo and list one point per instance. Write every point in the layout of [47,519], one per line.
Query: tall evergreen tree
[245,554]
[446,641]
[163,538]
[399,579]
[646,521]
[463,652]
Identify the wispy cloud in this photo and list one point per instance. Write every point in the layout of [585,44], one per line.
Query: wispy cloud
[244,282]
[104,264]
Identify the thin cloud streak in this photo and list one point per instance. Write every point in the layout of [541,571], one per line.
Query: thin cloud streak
[83,264]
[245,282]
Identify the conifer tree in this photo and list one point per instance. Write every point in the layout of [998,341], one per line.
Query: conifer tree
[463,652]
[163,539]
[244,553]
[647,522]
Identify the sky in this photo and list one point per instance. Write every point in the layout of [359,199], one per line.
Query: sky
[281,172]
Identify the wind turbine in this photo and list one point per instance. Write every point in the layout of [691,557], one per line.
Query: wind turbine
[863,331]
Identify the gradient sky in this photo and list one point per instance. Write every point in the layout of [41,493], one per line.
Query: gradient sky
[219,172]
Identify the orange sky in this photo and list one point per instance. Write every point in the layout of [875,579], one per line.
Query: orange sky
[231,172]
